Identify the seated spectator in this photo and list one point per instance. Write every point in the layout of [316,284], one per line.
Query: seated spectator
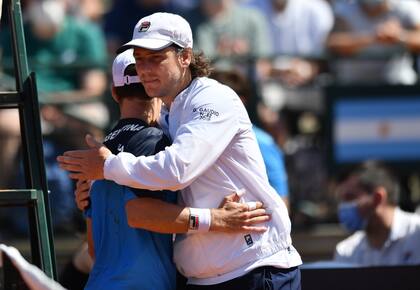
[385,235]
[92,10]
[381,34]
[292,95]
[298,29]
[68,131]
[67,54]
[232,33]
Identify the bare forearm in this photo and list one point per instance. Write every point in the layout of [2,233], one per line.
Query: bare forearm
[67,97]
[93,85]
[347,44]
[157,216]
[412,40]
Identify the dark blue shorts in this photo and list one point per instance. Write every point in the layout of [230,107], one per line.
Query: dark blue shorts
[263,278]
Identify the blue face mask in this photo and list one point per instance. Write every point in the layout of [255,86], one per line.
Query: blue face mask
[349,216]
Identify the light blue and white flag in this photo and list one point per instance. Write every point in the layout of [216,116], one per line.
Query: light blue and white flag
[379,129]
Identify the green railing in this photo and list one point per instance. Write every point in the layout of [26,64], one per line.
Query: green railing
[35,198]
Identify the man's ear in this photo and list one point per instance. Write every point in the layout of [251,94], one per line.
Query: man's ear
[380,196]
[114,94]
[186,57]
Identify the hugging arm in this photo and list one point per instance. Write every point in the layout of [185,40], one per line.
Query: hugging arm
[160,216]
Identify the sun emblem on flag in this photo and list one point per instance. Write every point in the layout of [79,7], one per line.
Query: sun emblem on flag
[384,129]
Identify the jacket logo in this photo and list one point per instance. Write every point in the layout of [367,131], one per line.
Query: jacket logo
[205,113]
[144,26]
[129,127]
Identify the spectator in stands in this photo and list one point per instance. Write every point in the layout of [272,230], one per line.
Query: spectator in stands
[382,34]
[68,132]
[271,153]
[385,235]
[68,55]
[92,10]
[233,35]
[298,29]
[292,95]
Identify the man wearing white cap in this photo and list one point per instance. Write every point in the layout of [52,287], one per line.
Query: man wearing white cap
[214,152]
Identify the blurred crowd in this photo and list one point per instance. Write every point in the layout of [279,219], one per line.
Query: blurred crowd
[287,50]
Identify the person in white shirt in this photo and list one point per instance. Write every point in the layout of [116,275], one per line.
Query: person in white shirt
[214,152]
[384,234]
[299,30]
[374,41]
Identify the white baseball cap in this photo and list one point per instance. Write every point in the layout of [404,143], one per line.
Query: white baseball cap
[121,62]
[160,30]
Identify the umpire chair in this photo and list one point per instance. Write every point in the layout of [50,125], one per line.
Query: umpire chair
[35,197]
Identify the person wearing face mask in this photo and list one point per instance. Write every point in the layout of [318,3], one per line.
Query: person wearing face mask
[383,233]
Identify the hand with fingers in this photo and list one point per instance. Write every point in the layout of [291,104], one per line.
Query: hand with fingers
[85,164]
[234,216]
[82,194]
[390,31]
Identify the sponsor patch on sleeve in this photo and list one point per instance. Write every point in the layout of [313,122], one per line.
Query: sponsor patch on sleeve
[205,112]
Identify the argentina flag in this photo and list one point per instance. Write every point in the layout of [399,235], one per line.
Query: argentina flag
[382,129]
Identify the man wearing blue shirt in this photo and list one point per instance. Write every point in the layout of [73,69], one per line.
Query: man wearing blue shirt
[122,252]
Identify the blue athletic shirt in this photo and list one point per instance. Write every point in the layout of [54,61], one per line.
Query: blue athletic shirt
[128,258]
[273,160]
